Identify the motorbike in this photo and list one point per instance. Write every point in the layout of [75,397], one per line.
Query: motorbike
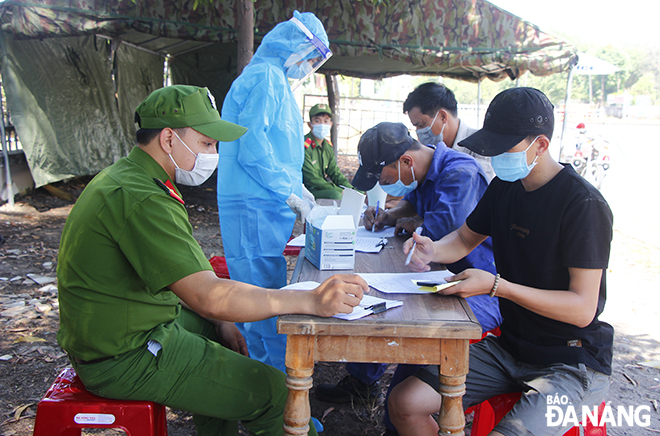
[591,159]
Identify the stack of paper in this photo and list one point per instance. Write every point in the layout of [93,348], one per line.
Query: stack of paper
[366,240]
[366,306]
[405,283]
[372,242]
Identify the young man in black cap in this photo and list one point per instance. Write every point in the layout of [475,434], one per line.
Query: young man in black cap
[321,175]
[129,270]
[440,186]
[551,233]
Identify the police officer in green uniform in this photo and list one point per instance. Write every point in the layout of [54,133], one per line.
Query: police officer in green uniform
[142,314]
[321,175]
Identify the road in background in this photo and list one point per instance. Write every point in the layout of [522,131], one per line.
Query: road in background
[631,189]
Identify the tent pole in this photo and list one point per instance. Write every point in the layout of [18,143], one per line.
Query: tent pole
[478,100]
[333,102]
[245,18]
[568,97]
[5,155]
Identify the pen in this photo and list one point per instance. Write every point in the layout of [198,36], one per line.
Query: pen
[418,230]
[373,227]
[430,284]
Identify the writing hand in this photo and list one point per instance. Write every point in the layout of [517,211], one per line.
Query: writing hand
[339,294]
[423,254]
[372,221]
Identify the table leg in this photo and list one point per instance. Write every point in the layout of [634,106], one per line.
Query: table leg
[451,419]
[299,369]
[452,371]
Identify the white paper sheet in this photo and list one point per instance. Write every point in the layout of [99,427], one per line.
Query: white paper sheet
[363,310]
[358,311]
[368,245]
[385,232]
[298,241]
[402,283]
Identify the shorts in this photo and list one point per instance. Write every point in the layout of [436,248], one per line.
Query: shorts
[494,371]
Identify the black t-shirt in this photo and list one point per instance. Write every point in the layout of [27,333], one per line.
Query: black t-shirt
[536,237]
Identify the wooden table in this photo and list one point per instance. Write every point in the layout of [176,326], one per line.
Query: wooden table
[427,329]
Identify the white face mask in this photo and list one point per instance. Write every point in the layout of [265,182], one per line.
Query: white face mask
[205,164]
[321,131]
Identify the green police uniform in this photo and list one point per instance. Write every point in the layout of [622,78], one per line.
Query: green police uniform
[321,174]
[126,240]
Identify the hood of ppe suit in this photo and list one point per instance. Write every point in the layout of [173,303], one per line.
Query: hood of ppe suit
[286,37]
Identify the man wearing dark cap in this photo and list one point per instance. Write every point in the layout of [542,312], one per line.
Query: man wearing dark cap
[142,314]
[440,187]
[551,233]
[321,175]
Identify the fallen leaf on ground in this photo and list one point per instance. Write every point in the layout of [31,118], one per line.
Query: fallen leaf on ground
[29,339]
[20,409]
[651,363]
[326,413]
[634,383]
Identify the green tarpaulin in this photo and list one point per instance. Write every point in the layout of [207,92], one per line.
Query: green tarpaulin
[89,129]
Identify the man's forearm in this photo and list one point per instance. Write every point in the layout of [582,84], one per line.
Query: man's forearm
[234,301]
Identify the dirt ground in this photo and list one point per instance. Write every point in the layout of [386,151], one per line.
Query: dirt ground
[30,357]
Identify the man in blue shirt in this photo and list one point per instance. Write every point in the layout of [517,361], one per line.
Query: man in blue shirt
[440,188]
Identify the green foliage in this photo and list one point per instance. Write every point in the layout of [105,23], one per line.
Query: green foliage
[644,86]
[639,73]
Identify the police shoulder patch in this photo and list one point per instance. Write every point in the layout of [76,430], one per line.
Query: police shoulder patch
[169,189]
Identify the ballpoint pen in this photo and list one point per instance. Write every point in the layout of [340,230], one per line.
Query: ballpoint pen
[418,230]
[430,284]
[373,226]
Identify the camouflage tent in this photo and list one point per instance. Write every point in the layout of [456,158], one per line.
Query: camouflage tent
[57,56]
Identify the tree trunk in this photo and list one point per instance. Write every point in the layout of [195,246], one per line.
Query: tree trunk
[245,24]
[333,102]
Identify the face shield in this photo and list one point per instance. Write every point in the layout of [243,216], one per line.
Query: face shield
[306,58]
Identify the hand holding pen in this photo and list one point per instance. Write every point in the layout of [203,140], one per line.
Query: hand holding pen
[418,230]
[373,226]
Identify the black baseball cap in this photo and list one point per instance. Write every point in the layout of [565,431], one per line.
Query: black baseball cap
[380,146]
[513,115]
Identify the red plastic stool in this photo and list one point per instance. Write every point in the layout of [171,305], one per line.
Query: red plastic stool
[489,413]
[291,251]
[68,407]
[219,265]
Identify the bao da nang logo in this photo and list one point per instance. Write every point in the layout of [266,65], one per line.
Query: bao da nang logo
[561,413]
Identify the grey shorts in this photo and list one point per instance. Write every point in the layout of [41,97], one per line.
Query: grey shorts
[493,371]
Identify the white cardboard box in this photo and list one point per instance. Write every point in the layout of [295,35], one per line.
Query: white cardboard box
[331,246]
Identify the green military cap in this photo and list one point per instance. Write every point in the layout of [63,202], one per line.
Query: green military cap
[320,108]
[180,106]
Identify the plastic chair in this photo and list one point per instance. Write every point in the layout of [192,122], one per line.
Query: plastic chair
[68,407]
[291,251]
[489,413]
[219,265]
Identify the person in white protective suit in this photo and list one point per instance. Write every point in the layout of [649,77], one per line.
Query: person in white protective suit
[260,175]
